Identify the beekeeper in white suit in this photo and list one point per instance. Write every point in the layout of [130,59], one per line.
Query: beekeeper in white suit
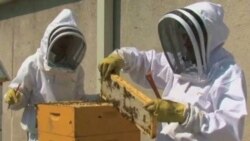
[52,74]
[204,97]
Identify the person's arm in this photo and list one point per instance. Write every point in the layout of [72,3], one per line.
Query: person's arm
[227,120]
[139,63]
[25,78]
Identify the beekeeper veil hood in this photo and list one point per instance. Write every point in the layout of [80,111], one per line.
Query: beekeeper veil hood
[189,35]
[63,45]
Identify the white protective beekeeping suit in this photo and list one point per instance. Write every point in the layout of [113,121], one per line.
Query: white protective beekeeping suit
[208,80]
[42,80]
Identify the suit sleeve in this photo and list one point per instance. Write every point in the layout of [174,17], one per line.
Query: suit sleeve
[227,120]
[26,79]
[139,63]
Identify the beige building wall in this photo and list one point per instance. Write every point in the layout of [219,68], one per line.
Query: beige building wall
[139,19]
[22,24]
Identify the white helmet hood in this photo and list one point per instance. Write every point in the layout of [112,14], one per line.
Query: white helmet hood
[63,25]
[203,23]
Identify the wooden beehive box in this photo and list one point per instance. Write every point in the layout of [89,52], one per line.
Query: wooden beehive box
[83,121]
[130,102]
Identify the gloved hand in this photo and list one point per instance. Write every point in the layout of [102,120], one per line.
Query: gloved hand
[12,96]
[166,110]
[110,65]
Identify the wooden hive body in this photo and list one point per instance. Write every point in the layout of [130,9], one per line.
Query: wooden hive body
[83,122]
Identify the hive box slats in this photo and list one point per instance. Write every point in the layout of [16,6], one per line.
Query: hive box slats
[130,102]
[127,136]
[76,121]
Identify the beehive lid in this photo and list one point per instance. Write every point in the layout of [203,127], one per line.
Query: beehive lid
[77,104]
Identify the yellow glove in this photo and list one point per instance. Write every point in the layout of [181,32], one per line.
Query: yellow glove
[166,110]
[12,96]
[110,65]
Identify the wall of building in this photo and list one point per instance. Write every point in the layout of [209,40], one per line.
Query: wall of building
[139,20]
[22,24]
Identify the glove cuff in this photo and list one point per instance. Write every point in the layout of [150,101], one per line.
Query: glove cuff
[119,52]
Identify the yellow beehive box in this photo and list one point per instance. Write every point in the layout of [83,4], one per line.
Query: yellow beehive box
[75,121]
